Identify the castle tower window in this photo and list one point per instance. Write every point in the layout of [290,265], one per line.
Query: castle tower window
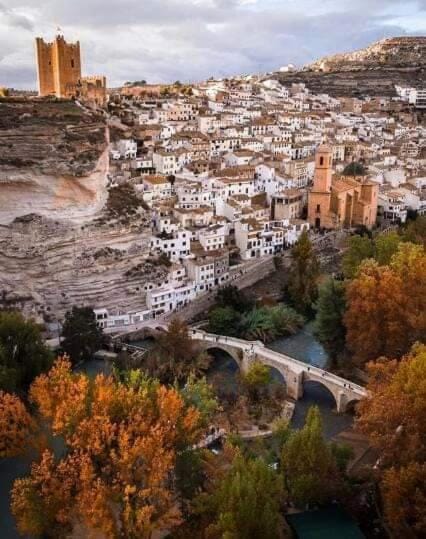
[321,160]
[72,62]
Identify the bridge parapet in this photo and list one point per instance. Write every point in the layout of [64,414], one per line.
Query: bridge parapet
[295,372]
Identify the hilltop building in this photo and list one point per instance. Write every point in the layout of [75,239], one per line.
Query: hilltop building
[59,72]
[340,201]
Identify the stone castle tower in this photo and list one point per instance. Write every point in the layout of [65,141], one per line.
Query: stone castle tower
[58,67]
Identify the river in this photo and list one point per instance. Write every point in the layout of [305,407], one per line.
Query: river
[302,346]
[305,347]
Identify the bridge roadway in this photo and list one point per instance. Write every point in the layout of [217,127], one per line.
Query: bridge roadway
[294,372]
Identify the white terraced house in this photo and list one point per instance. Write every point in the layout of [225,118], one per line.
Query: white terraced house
[176,245]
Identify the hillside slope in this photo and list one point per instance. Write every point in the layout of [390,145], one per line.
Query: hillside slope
[371,71]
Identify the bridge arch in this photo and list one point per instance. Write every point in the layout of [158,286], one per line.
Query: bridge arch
[321,391]
[348,405]
[236,354]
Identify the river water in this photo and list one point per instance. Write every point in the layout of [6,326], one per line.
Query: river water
[305,347]
[302,346]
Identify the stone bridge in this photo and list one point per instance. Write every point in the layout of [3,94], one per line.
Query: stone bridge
[294,372]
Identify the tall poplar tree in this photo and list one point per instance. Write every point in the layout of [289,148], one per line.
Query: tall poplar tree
[310,470]
[329,326]
[303,276]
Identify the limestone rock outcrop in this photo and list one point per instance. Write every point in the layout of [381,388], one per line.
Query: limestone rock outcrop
[53,159]
[371,71]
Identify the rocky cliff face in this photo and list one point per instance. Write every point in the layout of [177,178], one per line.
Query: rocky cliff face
[64,240]
[53,159]
[371,71]
[47,266]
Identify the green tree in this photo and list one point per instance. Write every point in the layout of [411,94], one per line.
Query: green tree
[247,502]
[303,275]
[359,249]
[231,296]
[200,395]
[329,326]
[81,335]
[308,464]
[354,169]
[386,245]
[256,380]
[415,231]
[23,355]
[224,321]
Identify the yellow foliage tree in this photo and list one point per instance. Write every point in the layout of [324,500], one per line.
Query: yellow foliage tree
[122,442]
[16,426]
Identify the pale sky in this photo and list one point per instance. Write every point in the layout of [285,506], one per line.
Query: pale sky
[190,40]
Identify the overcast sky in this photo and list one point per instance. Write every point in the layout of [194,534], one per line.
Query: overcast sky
[168,40]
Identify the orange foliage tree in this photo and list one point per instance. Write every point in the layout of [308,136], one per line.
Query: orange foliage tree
[117,476]
[16,426]
[394,418]
[386,306]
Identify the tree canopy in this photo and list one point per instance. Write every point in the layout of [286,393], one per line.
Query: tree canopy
[23,355]
[329,326]
[354,169]
[303,275]
[175,356]
[16,426]
[81,335]
[310,470]
[122,441]
[393,416]
[247,502]
[386,305]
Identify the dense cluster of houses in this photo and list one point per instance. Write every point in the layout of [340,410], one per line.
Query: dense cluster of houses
[235,170]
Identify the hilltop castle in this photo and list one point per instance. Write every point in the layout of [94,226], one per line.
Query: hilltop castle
[59,72]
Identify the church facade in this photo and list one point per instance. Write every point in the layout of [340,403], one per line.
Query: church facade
[340,201]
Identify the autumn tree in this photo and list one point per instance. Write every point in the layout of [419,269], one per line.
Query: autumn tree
[329,326]
[16,426]
[175,355]
[246,504]
[303,275]
[386,305]
[23,355]
[393,416]
[122,441]
[310,470]
[81,335]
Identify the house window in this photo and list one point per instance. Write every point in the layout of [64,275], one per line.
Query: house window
[318,207]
